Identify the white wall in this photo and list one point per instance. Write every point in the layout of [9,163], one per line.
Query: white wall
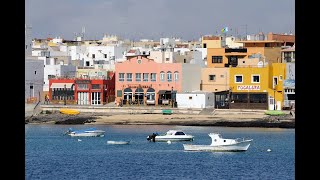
[34,73]
[230,42]
[57,70]
[195,100]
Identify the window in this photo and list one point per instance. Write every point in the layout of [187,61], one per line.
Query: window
[51,76]
[105,55]
[216,59]
[153,77]
[169,76]
[258,98]
[82,86]
[129,76]
[212,77]
[145,77]
[176,76]
[280,78]
[238,79]
[95,86]
[222,76]
[190,97]
[162,76]
[255,79]
[204,45]
[138,76]
[121,76]
[93,56]
[35,72]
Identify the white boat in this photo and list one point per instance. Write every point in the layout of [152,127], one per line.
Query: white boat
[90,132]
[118,142]
[171,135]
[220,144]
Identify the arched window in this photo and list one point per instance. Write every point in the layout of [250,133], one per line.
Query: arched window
[176,76]
[162,76]
[169,76]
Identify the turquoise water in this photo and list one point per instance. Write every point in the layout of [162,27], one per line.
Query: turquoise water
[51,155]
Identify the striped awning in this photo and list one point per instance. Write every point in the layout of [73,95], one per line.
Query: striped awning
[61,85]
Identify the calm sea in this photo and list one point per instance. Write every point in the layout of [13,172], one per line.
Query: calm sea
[51,155]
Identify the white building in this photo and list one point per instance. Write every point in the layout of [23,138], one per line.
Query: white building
[231,42]
[34,78]
[195,99]
[53,68]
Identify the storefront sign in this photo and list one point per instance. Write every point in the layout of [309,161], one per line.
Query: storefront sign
[248,87]
[83,81]
[137,86]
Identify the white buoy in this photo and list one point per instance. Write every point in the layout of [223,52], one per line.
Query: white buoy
[269,150]
[169,142]
[79,140]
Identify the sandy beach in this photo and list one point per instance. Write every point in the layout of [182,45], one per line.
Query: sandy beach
[226,119]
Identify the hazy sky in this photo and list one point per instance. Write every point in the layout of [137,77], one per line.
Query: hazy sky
[135,19]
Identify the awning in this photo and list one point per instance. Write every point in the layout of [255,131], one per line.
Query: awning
[162,91]
[166,92]
[61,85]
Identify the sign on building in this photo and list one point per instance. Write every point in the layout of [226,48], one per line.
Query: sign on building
[248,87]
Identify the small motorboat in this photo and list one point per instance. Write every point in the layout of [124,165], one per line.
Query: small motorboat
[220,144]
[171,135]
[90,132]
[69,111]
[118,142]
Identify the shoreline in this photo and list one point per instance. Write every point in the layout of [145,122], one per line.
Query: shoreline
[223,120]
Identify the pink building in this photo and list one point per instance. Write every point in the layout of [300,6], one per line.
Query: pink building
[142,81]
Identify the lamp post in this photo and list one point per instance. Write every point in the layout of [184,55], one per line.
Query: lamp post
[274,97]
[172,96]
[65,94]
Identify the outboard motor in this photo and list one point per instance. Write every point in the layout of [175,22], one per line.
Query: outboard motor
[152,137]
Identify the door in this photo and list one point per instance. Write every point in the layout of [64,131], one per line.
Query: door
[271,103]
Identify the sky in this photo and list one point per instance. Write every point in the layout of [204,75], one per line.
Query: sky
[153,19]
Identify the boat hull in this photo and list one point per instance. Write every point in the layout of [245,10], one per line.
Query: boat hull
[164,139]
[118,142]
[88,134]
[69,111]
[241,146]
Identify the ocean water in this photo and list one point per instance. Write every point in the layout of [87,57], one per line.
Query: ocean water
[51,155]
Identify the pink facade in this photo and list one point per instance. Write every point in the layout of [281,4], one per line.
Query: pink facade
[142,81]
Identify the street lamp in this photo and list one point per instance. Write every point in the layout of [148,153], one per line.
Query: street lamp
[172,96]
[65,94]
[274,98]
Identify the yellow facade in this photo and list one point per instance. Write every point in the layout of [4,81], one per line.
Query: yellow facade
[247,84]
[277,71]
[215,79]
[268,76]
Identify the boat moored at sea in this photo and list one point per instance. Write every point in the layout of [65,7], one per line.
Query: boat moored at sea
[220,144]
[171,135]
[90,132]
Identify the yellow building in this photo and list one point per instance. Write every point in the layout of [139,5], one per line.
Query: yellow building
[277,75]
[256,87]
[249,87]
